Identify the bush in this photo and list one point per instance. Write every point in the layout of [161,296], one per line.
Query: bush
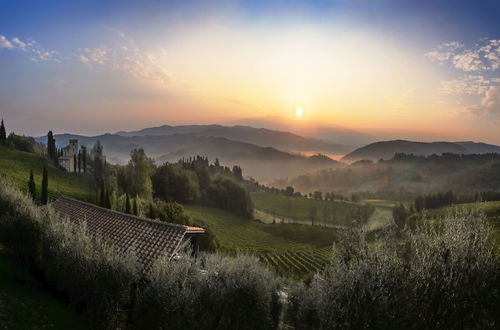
[89,273]
[442,275]
[214,292]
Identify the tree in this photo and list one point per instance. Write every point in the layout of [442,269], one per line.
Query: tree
[102,196]
[32,186]
[84,158]
[138,174]
[74,163]
[51,146]
[3,134]
[45,187]
[399,215]
[151,211]
[108,199]
[312,214]
[79,161]
[136,211]
[237,173]
[127,204]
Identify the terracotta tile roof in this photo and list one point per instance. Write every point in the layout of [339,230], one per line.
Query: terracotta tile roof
[149,239]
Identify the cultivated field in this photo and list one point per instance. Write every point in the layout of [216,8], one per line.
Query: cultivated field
[337,213]
[291,250]
[16,165]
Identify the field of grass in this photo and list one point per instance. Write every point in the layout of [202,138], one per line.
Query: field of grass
[16,165]
[25,304]
[290,250]
[336,212]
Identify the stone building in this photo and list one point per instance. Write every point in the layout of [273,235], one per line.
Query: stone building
[68,159]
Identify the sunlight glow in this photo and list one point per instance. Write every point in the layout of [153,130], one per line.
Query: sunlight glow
[299,112]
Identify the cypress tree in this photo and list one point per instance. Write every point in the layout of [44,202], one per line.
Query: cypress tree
[45,187]
[32,186]
[108,200]
[102,200]
[151,211]
[3,134]
[79,161]
[127,204]
[135,207]
[84,158]
[51,147]
[74,163]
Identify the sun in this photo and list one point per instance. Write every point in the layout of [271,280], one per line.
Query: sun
[299,112]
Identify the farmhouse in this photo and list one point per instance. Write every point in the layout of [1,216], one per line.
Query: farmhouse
[148,239]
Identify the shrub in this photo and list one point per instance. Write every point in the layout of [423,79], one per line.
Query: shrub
[91,274]
[439,275]
[213,292]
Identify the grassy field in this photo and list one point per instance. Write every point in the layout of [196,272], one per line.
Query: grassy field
[25,304]
[337,212]
[290,250]
[16,165]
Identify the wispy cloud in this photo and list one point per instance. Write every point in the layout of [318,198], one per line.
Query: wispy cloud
[36,53]
[484,56]
[482,80]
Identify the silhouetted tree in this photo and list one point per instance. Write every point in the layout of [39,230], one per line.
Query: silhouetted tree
[32,186]
[108,199]
[151,211]
[84,158]
[45,187]
[102,199]
[3,134]
[51,146]
[127,204]
[136,211]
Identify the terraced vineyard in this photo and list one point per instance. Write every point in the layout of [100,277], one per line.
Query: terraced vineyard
[333,213]
[292,251]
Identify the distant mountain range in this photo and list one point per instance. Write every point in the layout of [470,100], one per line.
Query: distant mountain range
[387,149]
[258,136]
[262,163]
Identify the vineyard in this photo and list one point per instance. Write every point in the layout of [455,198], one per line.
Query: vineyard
[292,251]
[317,212]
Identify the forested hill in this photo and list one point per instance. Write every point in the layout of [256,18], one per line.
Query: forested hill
[262,163]
[258,136]
[387,149]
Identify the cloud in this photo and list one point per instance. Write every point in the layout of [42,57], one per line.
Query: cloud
[484,56]
[468,84]
[38,54]
[5,43]
[491,100]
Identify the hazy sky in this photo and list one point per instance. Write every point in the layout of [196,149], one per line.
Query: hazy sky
[426,68]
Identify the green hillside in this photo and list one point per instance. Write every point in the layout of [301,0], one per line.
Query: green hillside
[332,212]
[291,250]
[16,166]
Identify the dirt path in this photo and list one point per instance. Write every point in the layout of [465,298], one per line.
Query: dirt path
[269,218]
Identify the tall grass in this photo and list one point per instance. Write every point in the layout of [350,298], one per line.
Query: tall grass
[438,275]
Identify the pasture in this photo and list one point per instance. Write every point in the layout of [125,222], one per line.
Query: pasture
[16,166]
[319,212]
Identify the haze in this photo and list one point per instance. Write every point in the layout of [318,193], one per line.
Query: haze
[405,69]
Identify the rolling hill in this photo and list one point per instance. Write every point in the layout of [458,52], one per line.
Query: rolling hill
[387,149]
[258,136]
[262,163]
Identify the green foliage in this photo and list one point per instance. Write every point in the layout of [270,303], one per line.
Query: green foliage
[228,195]
[127,204]
[23,143]
[441,275]
[304,209]
[292,251]
[44,198]
[175,184]
[16,164]
[214,292]
[32,186]
[51,146]
[3,134]
[90,273]
[135,177]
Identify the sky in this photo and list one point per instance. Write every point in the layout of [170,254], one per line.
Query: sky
[426,70]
